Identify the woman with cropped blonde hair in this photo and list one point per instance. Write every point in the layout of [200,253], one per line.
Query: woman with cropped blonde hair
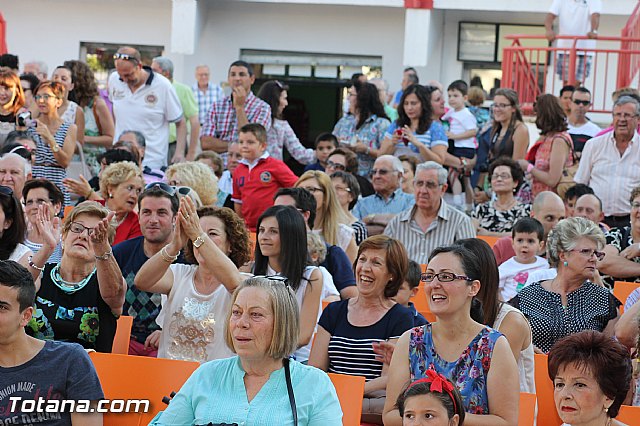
[331,222]
[196,176]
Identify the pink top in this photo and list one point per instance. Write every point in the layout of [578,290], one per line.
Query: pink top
[543,157]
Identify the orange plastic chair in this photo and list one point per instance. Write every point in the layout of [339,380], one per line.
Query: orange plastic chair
[123,335]
[547,414]
[430,316]
[490,240]
[527,411]
[350,390]
[67,210]
[622,290]
[420,300]
[252,244]
[629,415]
[136,377]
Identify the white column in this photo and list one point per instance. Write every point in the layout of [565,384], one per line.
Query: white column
[184,16]
[417,23]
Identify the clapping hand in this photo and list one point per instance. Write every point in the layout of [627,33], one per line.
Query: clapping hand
[189,219]
[100,235]
[80,187]
[384,351]
[48,228]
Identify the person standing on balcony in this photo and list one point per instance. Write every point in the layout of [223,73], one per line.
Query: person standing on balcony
[609,163]
[577,18]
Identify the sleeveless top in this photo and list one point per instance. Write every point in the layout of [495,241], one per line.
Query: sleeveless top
[46,165]
[91,128]
[525,361]
[543,159]
[69,115]
[468,373]
[82,317]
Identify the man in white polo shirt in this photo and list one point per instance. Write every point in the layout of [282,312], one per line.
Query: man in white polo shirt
[147,102]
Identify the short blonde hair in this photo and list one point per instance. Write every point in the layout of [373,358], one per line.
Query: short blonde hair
[116,173]
[564,236]
[316,246]
[88,208]
[286,318]
[475,96]
[196,176]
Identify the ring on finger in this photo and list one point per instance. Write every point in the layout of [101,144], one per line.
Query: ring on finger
[186,216]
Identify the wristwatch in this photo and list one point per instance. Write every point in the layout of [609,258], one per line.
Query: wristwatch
[55,148]
[199,241]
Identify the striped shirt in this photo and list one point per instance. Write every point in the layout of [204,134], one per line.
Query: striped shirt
[450,225]
[221,121]
[281,136]
[351,348]
[205,99]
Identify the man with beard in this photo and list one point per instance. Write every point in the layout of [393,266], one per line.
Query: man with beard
[158,205]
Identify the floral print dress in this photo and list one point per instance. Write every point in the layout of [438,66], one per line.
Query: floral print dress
[468,373]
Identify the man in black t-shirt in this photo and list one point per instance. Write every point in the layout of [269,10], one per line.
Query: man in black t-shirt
[158,206]
[36,375]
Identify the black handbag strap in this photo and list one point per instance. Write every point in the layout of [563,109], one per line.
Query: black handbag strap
[292,399]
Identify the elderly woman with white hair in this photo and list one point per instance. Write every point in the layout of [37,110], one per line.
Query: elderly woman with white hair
[571,302]
[260,385]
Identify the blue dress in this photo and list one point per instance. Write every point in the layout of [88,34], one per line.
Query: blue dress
[468,373]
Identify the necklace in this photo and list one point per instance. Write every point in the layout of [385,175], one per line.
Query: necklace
[511,203]
[66,286]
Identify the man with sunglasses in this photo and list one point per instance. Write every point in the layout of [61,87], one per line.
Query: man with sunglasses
[431,222]
[580,128]
[147,102]
[158,206]
[378,209]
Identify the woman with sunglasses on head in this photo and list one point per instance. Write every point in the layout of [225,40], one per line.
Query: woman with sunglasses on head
[571,302]
[55,138]
[350,330]
[12,102]
[196,176]
[281,249]
[475,358]
[331,222]
[280,135]
[363,129]
[416,133]
[216,243]
[79,299]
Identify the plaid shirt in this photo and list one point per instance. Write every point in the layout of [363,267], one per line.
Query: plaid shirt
[221,122]
[213,94]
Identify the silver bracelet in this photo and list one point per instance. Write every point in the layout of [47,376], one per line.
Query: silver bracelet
[34,266]
[105,256]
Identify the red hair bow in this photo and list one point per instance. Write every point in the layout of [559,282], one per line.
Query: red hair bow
[439,384]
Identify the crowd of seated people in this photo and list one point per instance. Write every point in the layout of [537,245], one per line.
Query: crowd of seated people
[376,261]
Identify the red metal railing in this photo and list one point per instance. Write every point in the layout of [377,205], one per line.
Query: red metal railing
[629,65]
[531,71]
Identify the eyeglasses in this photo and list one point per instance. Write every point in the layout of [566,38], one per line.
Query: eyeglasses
[503,176]
[6,190]
[38,201]
[342,188]
[579,102]
[443,277]
[635,205]
[589,252]
[44,97]
[624,116]
[380,172]
[313,189]
[501,106]
[167,189]
[125,57]
[429,184]
[341,167]
[78,228]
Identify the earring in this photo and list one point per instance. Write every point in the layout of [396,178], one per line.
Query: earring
[110,195]
[565,263]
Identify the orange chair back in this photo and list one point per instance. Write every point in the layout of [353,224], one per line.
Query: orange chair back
[137,377]
[547,414]
[622,290]
[527,411]
[350,390]
[629,415]
[429,316]
[67,210]
[420,300]
[252,244]
[123,335]
[490,240]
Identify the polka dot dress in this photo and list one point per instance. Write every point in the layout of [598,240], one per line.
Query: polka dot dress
[590,307]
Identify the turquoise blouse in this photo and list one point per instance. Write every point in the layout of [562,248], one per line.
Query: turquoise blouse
[215,393]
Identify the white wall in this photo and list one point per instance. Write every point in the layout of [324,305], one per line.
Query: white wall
[51,30]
